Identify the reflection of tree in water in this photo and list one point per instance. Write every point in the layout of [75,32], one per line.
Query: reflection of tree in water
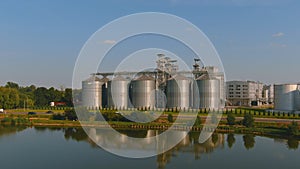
[78,134]
[230,140]
[293,143]
[249,141]
[6,130]
[134,133]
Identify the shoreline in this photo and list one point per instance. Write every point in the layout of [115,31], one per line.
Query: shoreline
[236,129]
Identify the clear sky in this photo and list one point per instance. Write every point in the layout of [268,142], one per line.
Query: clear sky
[256,39]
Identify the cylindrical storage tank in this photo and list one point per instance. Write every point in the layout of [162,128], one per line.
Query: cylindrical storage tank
[92,92]
[178,92]
[297,98]
[118,93]
[143,92]
[208,93]
[284,97]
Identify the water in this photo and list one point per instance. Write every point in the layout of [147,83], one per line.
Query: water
[43,148]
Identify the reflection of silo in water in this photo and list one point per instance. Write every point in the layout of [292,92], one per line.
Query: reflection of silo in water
[142,90]
[178,92]
[92,92]
[208,93]
[118,93]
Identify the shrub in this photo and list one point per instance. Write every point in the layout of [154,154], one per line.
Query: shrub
[170,118]
[230,119]
[248,120]
[58,117]
[198,121]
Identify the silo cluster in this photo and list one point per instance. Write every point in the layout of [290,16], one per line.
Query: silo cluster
[201,88]
[287,97]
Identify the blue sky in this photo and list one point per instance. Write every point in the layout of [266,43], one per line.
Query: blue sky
[256,39]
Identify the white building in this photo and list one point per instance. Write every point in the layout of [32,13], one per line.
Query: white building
[245,93]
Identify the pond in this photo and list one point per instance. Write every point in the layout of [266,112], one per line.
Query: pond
[71,148]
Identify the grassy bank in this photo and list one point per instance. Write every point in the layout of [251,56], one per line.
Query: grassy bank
[270,129]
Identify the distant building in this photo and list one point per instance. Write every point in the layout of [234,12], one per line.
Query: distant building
[245,93]
[53,104]
[268,94]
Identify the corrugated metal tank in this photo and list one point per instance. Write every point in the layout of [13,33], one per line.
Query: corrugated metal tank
[297,98]
[142,90]
[284,96]
[178,92]
[208,93]
[92,92]
[118,93]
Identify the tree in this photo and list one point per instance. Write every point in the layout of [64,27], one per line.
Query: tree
[12,85]
[230,119]
[67,97]
[170,118]
[9,98]
[40,96]
[71,114]
[197,121]
[248,120]
[53,95]
[293,128]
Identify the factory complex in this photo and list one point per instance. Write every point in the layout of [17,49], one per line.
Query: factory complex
[168,87]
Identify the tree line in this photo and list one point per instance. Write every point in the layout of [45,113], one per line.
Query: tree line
[13,96]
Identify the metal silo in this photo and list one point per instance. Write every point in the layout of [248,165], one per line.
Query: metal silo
[297,98]
[92,92]
[208,95]
[178,92]
[118,93]
[284,96]
[143,92]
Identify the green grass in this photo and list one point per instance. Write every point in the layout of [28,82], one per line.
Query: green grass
[32,110]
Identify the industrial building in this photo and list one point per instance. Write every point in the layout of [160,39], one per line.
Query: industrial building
[247,93]
[164,87]
[268,94]
[287,97]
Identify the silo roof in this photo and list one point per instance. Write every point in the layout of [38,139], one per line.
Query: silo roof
[119,78]
[92,79]
[145,77]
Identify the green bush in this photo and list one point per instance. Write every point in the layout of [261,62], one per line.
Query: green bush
[58,117]
[230,119]
[248,120]
[197,121]
[170,118]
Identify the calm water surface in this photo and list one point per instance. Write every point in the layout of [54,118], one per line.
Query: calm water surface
[69,148]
